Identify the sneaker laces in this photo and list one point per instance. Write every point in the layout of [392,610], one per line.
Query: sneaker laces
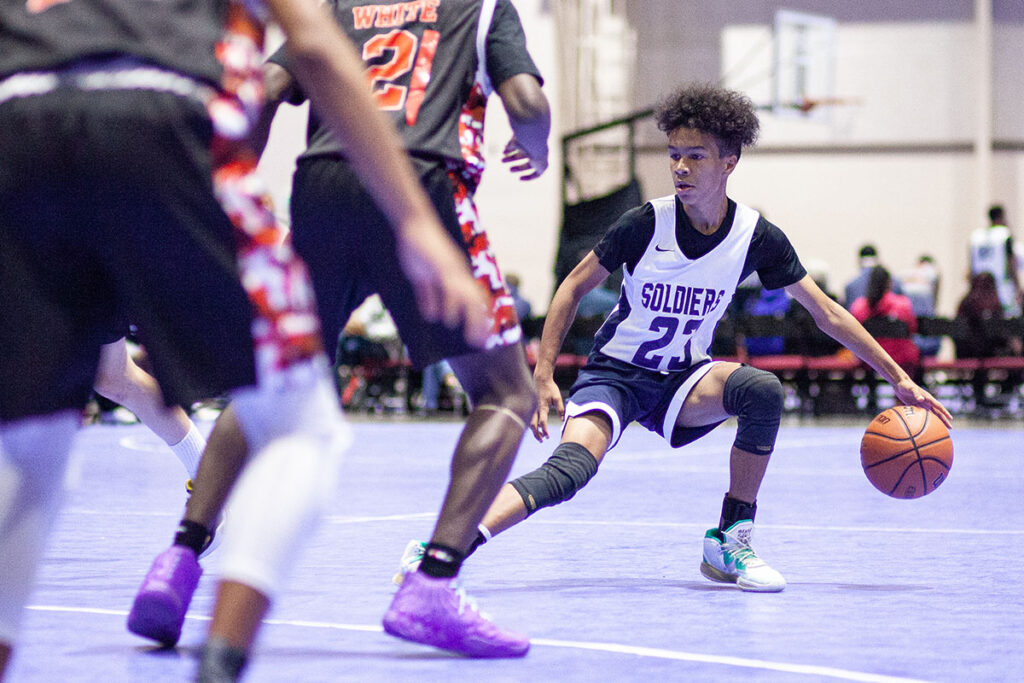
[745,554]
[466,600]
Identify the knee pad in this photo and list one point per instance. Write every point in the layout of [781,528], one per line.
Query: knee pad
[568,470]
[261,541]
[755,398]
[296,438]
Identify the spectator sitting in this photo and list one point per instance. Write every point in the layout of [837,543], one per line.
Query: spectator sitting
[523,308]
[597,303]
[768,302]
[921,286]
[881,302]
[369,335]
[369,339]
[867,259]
[980,305]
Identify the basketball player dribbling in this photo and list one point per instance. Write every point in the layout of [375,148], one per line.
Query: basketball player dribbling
[682,256]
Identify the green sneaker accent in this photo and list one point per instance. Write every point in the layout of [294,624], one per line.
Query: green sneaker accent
[728,558]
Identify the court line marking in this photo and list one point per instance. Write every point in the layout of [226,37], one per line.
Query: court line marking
[331,519]
[147,443]
[340,519]
[790,527]
[614,648]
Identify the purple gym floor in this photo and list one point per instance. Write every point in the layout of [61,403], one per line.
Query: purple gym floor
[607,585]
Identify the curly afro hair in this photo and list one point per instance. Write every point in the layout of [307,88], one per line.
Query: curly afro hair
[727,115]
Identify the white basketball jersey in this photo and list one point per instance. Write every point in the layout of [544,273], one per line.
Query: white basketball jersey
[988,254]
[670,305]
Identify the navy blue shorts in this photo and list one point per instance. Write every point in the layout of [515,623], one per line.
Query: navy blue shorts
[626,393]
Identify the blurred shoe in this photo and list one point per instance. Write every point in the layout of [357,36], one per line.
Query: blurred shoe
[410,561]
[220,663]
[162,602]
[437,612]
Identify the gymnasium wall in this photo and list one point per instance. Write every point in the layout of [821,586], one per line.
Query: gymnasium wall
[896,168]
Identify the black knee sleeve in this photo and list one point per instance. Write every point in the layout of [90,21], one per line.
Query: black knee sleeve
[755,398]
[568,470]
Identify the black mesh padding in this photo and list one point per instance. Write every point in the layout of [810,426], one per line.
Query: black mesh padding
[584,223]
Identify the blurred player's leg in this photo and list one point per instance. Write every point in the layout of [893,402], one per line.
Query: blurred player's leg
[122,381]
[429,607]
[295,464]
[33,459]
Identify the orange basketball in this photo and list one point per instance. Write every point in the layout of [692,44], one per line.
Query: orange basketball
[906,452]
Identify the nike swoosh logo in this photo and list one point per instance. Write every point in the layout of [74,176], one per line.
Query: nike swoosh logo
[657,248]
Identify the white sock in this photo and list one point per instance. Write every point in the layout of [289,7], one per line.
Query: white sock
[190,449]
[484,531]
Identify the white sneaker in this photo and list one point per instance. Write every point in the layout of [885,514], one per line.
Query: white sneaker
[728,558]
[410,561]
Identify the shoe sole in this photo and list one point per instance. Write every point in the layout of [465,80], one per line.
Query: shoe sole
[759,587]
[719,576]
[423,634]
[716,574]
[152,617]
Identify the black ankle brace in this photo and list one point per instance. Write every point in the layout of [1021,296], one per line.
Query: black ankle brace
[440,561]
[192,535]
[733,510]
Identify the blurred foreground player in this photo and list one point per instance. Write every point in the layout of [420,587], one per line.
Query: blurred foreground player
[464,49]
[682,256]
[343,236]
[119,138]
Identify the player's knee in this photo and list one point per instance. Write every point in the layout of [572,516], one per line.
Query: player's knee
[305,406]
[516,399]
[755,397]
[568,470]
[523,403]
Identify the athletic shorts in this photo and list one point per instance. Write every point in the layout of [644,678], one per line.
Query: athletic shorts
[107,214]
[350,249]
[626,393]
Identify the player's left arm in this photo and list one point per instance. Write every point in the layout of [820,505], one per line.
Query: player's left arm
[838,323]
[278,87]
[518,83]
[530,117]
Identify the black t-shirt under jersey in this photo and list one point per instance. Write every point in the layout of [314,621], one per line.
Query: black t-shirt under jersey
[179,36]
[394,44]
[770,254]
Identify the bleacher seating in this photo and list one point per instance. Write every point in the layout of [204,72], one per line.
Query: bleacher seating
[819,384]
[840,382]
